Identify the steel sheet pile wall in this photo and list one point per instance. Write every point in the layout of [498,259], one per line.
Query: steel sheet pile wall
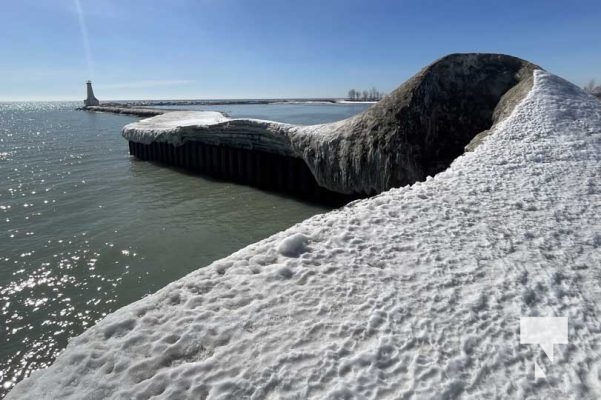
[256,168]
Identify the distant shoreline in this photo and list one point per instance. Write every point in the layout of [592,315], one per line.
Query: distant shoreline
[155,103]
[151,108]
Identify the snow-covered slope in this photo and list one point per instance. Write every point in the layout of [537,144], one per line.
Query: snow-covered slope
[414,293]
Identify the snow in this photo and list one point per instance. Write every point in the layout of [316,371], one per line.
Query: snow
[414,293]
[159,128]
[294,245]
[184,118]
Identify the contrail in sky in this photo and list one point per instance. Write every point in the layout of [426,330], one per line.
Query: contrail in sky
[84,38]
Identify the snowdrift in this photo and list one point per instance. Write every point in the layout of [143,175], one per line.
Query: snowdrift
[414,293]
[413,133]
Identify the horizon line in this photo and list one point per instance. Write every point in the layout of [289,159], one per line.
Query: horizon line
[40,100]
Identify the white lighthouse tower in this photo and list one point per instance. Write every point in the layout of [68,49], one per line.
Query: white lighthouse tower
[91,100]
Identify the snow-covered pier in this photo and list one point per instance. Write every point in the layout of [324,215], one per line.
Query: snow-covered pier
[413,133]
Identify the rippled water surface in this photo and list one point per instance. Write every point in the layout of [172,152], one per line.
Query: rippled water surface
[85,229]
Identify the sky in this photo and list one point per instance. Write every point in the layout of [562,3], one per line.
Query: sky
[224,49]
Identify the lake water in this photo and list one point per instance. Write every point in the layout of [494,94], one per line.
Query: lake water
[293,113]
[86,229]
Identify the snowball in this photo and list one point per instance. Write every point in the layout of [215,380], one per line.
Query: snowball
[294,245]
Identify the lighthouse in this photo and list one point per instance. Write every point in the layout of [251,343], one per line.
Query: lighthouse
[91,100]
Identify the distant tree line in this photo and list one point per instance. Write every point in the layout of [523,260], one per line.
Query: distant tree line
[365,95]
[591,88]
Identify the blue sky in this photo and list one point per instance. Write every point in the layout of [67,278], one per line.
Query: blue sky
[141,49]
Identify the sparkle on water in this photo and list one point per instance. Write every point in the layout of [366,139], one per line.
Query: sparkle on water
[85,229]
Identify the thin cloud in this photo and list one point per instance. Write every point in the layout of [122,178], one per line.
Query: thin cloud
[85,39]
[146,84]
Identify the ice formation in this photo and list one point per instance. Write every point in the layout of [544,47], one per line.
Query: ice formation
[414,293]
[413,133]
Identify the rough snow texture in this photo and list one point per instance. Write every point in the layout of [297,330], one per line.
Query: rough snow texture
[414,293]
[413,133]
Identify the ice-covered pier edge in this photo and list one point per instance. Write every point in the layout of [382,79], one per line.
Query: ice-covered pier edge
[413,133]
[414,293]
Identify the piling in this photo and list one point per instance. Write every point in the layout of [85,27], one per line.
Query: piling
[261,169]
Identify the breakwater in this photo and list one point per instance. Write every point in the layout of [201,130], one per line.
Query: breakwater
[225,102]
[415,132]
[137,111]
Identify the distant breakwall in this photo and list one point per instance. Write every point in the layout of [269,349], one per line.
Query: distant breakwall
[225,102]
[261,169]
[139,112]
